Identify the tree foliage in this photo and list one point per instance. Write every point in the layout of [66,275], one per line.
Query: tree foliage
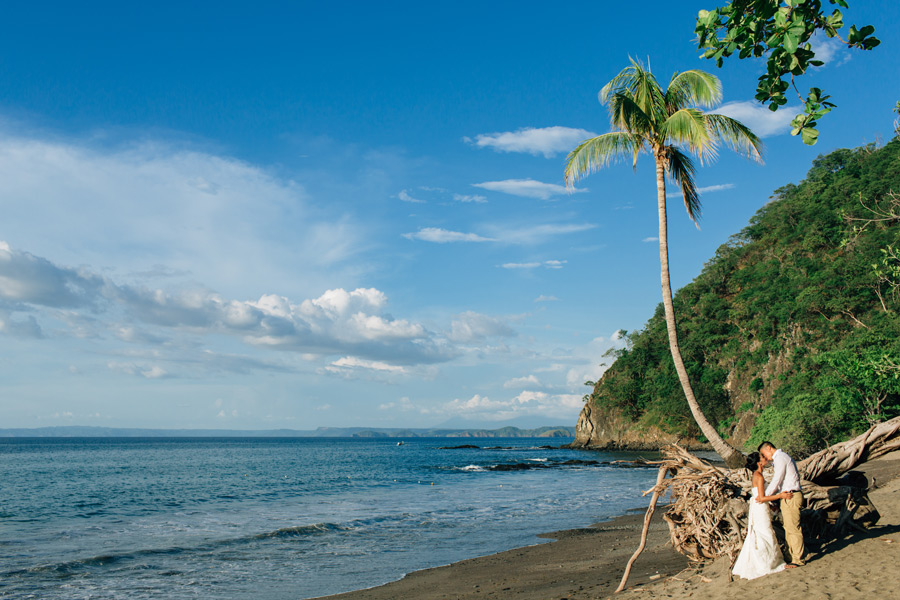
[780,30]
[791,323]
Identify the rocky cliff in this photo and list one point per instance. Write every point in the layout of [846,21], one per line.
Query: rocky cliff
[608,429]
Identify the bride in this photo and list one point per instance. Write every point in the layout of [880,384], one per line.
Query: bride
[760,554]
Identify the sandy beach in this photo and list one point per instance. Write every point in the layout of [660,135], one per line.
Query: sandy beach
[588,564]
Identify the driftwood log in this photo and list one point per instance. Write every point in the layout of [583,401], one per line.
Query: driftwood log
[708,511]
[834,461]
[708,515]
[660,476]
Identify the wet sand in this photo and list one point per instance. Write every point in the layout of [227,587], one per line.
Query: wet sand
[588,564]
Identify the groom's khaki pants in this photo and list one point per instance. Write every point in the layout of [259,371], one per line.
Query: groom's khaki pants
[790,515]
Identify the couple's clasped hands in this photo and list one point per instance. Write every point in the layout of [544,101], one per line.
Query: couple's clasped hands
[781,496]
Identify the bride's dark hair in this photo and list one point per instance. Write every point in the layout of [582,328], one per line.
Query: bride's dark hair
[752,461]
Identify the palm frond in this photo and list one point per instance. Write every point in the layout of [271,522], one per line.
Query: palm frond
[623,81]
[640,84]
[626,115]
[680,169]
[620,82]
[648,94]
[688,127]
[693,88]
[595,153]
[735,134]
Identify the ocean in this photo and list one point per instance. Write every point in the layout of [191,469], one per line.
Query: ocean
[282,518]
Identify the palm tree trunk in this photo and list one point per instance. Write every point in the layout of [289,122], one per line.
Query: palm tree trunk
[732,457]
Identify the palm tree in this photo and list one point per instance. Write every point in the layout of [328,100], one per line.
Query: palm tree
[667,125]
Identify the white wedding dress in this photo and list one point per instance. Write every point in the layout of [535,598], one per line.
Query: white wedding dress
[760,554]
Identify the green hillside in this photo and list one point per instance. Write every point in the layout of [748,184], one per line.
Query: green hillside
[791,332]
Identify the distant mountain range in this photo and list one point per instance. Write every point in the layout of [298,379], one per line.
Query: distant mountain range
[321,432]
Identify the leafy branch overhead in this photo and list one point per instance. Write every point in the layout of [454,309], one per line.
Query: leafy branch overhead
[780,30]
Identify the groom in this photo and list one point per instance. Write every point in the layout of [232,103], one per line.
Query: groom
[786,478]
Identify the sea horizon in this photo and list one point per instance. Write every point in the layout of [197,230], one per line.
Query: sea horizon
[89,431]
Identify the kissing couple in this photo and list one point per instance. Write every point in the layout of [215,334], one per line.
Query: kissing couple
[760,554]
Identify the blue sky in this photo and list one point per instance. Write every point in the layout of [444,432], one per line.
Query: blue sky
[351,214]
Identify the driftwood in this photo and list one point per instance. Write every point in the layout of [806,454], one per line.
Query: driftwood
[703,498]
[836,460]
[707,510]
[707,518]
[659,479]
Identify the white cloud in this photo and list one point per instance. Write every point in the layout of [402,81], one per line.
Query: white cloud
[444,236]
[132,207]
[715,188]
[539,233]
[405,197]
[351,362]
[471,327]
[703,190]
[650,239]
[571,401]
[548,141]
[533,234]
[528,402]
[130,368]
[340,321]
[548,264]
[528,188]
[762,121]
[475,403]
[829,51]
[129,333]
[27,327]
[591,362]
[28,278]
[523,382]
[543,298]
[154,372]
[337,322]
[470,198]
[404,404]
[219,362]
